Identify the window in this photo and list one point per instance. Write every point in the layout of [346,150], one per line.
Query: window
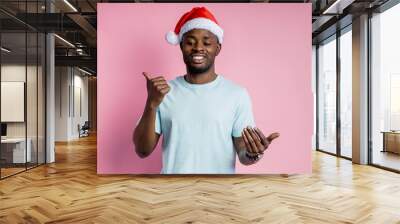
[346,93]
[385,88]
[327,95]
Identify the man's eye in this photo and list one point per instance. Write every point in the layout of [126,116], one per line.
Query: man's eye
[207,44]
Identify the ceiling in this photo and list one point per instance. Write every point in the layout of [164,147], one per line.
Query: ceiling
[76,22]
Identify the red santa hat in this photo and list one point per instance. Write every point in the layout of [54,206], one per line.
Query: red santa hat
[197,18]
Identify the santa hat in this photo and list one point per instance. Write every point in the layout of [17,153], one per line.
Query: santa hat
[197,18]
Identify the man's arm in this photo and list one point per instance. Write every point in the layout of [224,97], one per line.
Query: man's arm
[250,143]
[145,137]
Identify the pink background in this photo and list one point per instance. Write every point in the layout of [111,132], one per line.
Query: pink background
[266,48]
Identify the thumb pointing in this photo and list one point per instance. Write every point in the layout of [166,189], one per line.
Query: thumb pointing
[146,76]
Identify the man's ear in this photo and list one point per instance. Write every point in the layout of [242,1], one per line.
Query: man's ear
[219,46]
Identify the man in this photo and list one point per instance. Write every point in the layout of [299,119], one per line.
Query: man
[204,118]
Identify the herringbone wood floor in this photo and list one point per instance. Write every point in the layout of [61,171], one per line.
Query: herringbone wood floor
[70,191]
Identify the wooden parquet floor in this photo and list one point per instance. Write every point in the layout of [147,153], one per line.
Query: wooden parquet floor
[70,191]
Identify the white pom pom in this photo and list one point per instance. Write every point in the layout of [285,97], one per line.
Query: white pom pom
[172,38]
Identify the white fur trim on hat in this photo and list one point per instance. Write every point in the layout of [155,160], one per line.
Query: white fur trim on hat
[172,38]
[202,23]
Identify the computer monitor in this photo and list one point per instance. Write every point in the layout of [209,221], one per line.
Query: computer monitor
[3,129]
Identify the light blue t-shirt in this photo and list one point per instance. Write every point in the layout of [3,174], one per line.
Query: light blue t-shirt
[198,121]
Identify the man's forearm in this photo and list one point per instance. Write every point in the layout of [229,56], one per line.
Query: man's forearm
[144,137]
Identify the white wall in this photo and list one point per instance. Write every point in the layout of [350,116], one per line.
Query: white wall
[70,83]
[62,80]
[17,73]
[12,101]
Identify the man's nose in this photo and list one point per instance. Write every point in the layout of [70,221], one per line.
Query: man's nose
[198,47]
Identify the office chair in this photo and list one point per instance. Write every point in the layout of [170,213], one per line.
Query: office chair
[84,130]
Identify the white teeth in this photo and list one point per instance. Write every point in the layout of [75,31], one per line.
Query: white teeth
[198,57]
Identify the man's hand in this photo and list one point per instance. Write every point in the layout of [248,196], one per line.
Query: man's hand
[157,88]
[255,141]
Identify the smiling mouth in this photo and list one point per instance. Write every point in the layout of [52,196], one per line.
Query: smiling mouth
[198,59]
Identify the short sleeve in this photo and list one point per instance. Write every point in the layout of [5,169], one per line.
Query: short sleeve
[243,115]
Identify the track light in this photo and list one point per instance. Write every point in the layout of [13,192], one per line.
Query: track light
[64,40]
[84,71]
[5,50]
[337,7]
[70,5]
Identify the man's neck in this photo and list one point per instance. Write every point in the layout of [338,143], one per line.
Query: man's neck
[201,78]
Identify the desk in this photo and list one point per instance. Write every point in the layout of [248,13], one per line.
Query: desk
[15,148]
[391,141]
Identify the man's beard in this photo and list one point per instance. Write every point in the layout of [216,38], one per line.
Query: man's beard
[196,70]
